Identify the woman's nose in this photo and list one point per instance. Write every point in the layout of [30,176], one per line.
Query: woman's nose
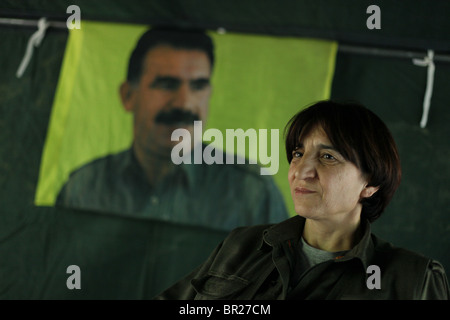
[305,169]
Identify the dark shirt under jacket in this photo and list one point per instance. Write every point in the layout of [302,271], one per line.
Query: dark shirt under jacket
[259,263]
[216,196]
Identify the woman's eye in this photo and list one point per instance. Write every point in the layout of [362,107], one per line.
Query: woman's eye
[328,156]
[296,154]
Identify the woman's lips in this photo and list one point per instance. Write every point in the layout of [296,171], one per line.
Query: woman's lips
[300,190]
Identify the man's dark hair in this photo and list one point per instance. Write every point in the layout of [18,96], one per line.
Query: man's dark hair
[177,38]
[362,138]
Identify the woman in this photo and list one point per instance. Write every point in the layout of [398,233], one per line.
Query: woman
[344,170]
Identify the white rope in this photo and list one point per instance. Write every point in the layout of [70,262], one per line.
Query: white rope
[34,41]
[427,62]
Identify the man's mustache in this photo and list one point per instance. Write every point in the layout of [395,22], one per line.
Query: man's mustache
[176,116]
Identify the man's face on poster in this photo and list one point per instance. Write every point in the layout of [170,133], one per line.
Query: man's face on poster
[173,92]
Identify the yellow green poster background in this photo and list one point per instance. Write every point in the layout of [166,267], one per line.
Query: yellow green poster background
[259,82]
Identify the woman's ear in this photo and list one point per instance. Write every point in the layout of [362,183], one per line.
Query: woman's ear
[369,191]
[126,92]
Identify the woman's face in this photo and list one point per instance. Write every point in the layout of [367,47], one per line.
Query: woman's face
[323,184]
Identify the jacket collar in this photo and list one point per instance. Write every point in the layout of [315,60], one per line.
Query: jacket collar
[287,230]
[292,229]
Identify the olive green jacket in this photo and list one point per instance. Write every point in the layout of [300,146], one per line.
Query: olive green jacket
[257,263]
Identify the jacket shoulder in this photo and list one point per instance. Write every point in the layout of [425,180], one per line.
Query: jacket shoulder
[410,272]
[246,237]
[397,254]
[239,248]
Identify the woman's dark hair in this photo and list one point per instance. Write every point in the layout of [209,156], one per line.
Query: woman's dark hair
[174,37]
[362,138]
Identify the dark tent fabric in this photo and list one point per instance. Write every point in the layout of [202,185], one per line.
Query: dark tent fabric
[408,23]
[37,243]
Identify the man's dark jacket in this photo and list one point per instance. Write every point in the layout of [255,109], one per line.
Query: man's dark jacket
[258,262]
